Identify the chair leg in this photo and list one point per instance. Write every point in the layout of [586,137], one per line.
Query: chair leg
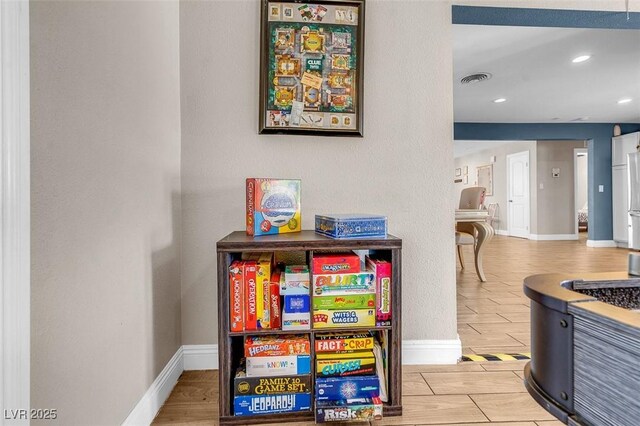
[460,256]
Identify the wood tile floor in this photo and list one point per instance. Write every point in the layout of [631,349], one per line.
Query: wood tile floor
[493,317]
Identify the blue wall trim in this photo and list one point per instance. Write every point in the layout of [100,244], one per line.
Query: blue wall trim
[599,147]
[477,15]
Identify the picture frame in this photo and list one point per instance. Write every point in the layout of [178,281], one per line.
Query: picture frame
[465,170]
[458,172]
[465,180]
[485,178]
[311,68]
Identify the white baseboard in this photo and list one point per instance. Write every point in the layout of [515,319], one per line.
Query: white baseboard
[200,357]
[416,352]
[502,232]
[205,357]
[145,411]
[553,237]
[601,243]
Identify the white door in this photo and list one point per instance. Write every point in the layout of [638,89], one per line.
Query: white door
[518,194]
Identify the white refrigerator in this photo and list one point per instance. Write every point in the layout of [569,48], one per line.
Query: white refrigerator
[634,200]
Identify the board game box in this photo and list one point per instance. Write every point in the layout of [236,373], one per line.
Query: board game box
[274,301]
[345,226]
[382,270]
[270,366]
[352,364]
[338,388]
[236,299]
[266,345]
[250,405]
[263,279]
[296,313]
[349,410]
[344,342]
[243,385]
[273,206]
[251,295]
[347,301]
[296,280]
[341,284]
[344,318]
[335,263]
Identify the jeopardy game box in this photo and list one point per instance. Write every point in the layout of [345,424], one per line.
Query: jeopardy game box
[352,226]
[268,404]
[349,410]
[273,206]
[243,385]
[338,388]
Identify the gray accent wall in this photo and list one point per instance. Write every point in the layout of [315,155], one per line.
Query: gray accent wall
[105,153]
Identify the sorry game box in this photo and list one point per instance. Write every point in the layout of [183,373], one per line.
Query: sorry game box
[312,60]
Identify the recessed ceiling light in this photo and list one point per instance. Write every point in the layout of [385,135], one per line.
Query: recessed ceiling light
[625,101]
[499,100]
[581,58]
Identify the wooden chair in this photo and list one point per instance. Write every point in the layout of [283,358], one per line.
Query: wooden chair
[470,198]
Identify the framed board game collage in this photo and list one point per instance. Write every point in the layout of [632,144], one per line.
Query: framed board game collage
[311,67]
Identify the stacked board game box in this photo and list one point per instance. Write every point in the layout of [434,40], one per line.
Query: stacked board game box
[273,206]
[250,292]
[382,272]
[274,376]
[343,295]
[347,387]
[345,226]
[294,286]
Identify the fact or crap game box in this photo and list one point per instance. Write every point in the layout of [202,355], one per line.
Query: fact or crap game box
[344,342]
[344,318]
[349,410]
[335,263]
[273,206]
[340,284]
[277,345]
[382,271]
[250,405]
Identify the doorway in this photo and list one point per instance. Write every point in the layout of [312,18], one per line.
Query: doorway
[581,190]
[518,201]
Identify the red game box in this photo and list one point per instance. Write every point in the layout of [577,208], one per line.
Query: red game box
[382,269]
[274,302]
[236,300]
[335,263]
[251,294]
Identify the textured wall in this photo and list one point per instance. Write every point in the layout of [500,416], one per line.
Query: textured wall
[401,167]
[105,144]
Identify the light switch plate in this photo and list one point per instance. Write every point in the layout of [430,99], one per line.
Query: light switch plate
[600,188]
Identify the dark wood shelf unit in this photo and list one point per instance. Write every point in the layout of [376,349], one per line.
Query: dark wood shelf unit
[231,247]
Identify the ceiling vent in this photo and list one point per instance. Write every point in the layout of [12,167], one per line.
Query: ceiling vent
[475,78]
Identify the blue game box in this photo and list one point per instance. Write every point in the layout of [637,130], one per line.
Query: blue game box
[337,388]
[250,405]
[344,226]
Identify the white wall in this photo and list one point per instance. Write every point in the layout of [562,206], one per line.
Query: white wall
[482,158]
[105,144]
[397,169]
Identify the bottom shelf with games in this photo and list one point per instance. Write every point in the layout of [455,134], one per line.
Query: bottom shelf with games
[334,374]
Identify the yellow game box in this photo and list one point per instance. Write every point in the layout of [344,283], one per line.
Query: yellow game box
[344,318]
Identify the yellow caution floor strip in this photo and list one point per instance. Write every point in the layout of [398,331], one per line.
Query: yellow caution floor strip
[496,357]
